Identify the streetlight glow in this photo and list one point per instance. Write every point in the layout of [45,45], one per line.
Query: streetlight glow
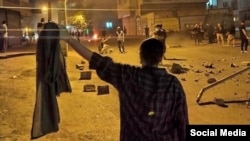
[45,9]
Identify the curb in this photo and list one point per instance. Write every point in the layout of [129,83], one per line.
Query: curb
[16,55]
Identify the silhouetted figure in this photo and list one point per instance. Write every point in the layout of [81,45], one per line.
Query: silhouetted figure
[146,30]
[120,39]
[4,36]
[40,25]
[161,35]
[243,37]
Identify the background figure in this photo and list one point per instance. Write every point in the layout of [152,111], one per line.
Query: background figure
[1,38]
[161,35]
[243,37]
[51,80]
[146,30]
[103,47]
[220,34]
[197,34]
[4,30]
[40,25]
[120,39]
[124,30]
[210,33]
[202,33]
[231,36]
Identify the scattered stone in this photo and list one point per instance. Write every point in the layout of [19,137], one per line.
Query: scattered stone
[207,74]
[83,62]
[233,65]
[80,66]
[198,71]
[101,90]
[211,80]
[220,102]
[85,75]
[176,68]
[248,104]
[211,72]
[208,65]
[89,88]
[196,80]
[245,63]
[183,79]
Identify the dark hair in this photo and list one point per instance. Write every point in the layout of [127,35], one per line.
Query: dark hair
[4,22]
[42,19]
[158,25]
[49,36]
[151,51]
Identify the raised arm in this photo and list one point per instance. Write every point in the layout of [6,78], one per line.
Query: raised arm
[78,47]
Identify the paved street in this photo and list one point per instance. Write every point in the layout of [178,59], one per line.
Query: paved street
[92,117]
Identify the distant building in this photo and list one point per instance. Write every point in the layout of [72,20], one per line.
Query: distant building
[240,8]
[175,15]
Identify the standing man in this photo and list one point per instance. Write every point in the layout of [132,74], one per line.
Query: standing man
[5,36]
[120,39]
[210,33]
[40,25]
[124,30]
[161,35]
[243,37]
[219,34]
[146,31]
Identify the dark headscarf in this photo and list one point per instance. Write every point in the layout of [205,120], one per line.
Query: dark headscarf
[51,80]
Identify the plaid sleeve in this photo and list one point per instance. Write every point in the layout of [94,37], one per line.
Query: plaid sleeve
[107,70]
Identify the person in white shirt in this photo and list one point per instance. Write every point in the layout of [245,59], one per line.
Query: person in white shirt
[120,39]
[5,36]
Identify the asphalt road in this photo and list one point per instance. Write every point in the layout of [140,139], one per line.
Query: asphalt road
[86,116]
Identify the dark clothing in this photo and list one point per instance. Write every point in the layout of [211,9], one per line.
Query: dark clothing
[152,102]
[161,35]
[197,35]
[40,27]
[51,80]
[232,30]
[243,37]
[147,32]
[210,34]
[1,44]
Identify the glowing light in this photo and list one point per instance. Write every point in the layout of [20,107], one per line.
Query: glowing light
[95,37]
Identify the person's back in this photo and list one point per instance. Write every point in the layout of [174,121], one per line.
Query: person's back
[152,101]
[153,104]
